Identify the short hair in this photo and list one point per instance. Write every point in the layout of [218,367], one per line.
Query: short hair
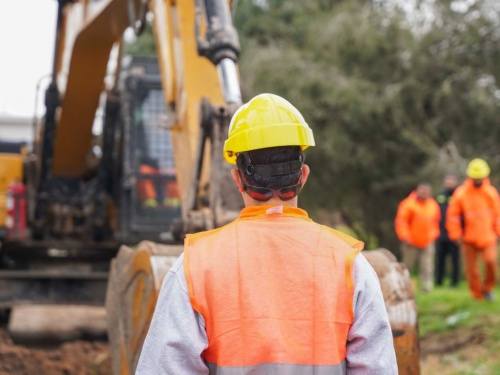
[271,155]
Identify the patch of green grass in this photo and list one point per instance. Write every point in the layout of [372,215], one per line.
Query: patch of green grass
[446,308]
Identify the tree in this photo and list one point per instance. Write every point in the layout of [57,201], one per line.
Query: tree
[385,99]
[142,45]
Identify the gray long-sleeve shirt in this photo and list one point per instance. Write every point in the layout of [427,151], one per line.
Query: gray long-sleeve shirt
[177,335]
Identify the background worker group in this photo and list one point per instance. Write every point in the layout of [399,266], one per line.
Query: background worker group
[468,216]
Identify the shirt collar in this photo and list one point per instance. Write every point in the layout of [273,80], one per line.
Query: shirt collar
[272,211]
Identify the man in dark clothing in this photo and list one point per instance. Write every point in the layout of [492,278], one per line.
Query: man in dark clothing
[446,247]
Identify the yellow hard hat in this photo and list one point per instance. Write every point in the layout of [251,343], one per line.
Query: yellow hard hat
[478,168]
[266,121]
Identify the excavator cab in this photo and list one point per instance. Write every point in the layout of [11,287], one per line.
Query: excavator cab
[148,196]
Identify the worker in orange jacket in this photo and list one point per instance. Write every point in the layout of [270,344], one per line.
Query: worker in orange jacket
[417,227]
[473,221]
[271,292]
[147,188]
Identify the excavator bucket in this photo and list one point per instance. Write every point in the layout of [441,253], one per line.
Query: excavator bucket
[399,300]
[133,287]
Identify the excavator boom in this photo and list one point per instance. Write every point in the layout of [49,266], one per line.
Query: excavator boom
[90,30]
[201,89]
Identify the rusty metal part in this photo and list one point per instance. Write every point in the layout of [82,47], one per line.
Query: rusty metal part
[134,284]
[401,307]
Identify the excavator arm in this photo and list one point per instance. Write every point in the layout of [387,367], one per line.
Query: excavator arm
[201,88]
[201,85]
[85,34]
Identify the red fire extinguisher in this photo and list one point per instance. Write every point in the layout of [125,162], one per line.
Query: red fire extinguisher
[16,211]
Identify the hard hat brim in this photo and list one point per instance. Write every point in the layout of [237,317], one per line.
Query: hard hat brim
[477,175]
[255,139]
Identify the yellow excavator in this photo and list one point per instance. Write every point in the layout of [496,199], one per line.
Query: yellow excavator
[88,194]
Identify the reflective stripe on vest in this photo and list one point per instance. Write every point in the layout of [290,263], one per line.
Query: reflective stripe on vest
[279,369]
[275,290]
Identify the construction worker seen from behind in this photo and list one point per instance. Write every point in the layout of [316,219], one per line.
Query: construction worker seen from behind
[272,292]
[417,227]
[473,222]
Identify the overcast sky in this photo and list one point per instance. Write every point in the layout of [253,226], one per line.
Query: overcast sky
[27,29]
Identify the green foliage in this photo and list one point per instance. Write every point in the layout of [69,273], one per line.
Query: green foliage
[143,45]
[385,100]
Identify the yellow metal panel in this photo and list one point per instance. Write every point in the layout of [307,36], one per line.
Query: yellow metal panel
[164,30]
[89,58]
[195,78]
[11,170]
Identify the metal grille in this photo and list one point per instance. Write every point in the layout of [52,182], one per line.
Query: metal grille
[157,137]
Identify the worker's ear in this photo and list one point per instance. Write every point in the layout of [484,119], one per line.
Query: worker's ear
[305,173]
[236,178]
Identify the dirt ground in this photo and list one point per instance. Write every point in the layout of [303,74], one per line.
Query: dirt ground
[461,351]
[71,358]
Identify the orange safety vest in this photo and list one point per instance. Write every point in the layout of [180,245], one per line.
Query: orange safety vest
[276,292]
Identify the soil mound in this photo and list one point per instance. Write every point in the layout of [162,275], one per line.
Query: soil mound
[71,358]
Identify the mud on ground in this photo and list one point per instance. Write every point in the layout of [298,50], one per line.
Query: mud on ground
[71,358]
[452,341]
[460,351]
